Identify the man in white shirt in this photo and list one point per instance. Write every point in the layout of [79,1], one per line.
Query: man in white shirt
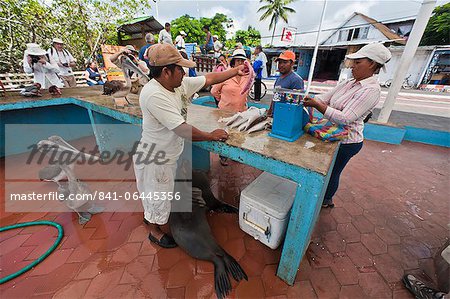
[260,55]
[36,62]
[165,37]
[65,61]
[217,46]
[179,40]
[164,101]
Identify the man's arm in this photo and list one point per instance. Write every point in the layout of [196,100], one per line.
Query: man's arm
[114,58]
[214,78]
[189,132]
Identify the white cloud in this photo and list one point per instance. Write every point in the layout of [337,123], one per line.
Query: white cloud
[211,12]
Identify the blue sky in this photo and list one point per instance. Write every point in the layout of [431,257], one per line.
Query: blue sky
[306,18]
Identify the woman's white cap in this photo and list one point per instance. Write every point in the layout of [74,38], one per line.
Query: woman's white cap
[376,52]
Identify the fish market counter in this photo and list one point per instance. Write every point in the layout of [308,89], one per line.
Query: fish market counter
[307,161]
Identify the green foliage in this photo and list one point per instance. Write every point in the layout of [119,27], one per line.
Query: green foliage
[250,37]
[82,24]
[276,10]
[437,31]
[193,27]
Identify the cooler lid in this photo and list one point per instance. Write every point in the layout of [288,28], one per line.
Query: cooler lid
[272,194]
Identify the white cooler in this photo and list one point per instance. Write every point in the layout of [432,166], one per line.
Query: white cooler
[264,208]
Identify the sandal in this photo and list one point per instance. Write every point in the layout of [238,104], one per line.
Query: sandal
[328,205]
[419,289]
[166,241]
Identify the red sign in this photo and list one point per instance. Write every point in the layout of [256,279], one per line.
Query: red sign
[288,35]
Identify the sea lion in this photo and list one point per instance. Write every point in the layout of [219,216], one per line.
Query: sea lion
[192,233]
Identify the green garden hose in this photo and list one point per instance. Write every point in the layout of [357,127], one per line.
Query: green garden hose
[42,257]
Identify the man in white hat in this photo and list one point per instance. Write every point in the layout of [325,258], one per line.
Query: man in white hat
[64,60]
[350,104]
[164,102]
[36,61]
[179,40]
[217,46]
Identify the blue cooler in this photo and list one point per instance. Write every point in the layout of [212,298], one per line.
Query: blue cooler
[288,121]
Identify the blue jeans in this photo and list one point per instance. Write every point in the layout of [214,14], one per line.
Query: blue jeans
[89,83]
[345,153]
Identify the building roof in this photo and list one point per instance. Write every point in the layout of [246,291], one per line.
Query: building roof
[141,24]
[383,29]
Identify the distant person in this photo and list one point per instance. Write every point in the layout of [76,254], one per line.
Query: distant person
[36,61]
[288,78]
[228,93]
[260,68]
[217,46]
[350,103]
[65,61]
[150,40]
[222,64]
[92,75]
[260,55]
[165,37]
[179,40]
[209,43]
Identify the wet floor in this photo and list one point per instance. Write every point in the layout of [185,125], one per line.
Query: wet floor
[391,217]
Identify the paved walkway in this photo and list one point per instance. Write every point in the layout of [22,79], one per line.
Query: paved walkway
[391,216]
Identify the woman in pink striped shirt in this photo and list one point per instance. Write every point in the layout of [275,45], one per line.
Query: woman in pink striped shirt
[349,104]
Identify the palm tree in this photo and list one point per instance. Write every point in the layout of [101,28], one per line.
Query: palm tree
[277,9]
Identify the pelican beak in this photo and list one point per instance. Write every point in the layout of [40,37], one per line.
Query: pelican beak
[127,64]
[47,146]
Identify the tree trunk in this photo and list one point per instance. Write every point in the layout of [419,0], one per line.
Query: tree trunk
[273,33]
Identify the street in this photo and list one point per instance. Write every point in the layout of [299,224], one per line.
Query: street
[413,101]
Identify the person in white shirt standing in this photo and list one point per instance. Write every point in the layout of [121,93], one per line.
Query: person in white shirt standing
[164,102]
[179,40]
[165,37]
[217,46]
[64,60]
[260,55]
[35,61]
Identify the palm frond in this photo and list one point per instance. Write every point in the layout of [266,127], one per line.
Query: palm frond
[266,15]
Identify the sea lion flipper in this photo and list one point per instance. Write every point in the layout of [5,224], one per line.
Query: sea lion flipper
[234,268]
[222,282]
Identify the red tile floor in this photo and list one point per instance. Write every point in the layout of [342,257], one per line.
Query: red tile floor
[391,216]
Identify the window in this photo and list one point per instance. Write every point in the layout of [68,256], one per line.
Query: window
[342,35]
[354,33]
[365,31]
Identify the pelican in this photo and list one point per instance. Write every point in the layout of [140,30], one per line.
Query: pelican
[118,89]
[64,170]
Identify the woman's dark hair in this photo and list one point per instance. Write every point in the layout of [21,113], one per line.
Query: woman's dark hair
[206,27]
[378,66]
[167,25]
[155,71]
[88,65]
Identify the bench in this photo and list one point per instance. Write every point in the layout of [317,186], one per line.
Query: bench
[13,81]
[205,63]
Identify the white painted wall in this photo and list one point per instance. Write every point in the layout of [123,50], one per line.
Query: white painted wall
[415,70]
